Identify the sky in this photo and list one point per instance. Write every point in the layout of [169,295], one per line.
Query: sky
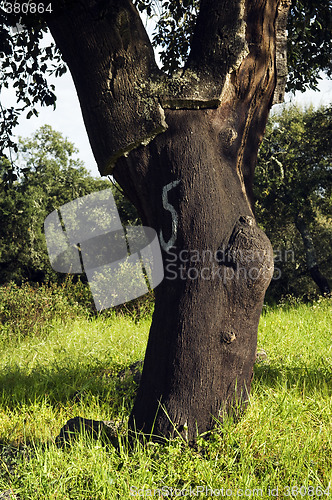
[67,117]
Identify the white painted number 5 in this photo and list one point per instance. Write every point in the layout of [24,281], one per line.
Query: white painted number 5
[167,206]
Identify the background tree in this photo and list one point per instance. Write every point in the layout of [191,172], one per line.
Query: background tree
[293,191]
[183,146]
[48,175]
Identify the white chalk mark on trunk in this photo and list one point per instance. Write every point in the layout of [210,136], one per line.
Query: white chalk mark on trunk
[167,206]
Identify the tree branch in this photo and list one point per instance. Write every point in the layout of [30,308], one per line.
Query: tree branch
[219,41]
[111,59]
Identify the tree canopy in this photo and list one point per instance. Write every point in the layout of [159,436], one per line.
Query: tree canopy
[293,184]
[48,175]
[26,62]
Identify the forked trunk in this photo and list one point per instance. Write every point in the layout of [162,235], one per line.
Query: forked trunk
[184,150]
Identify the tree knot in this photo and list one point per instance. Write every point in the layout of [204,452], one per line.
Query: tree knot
[227,337]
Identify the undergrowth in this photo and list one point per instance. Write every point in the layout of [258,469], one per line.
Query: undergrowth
[74,364]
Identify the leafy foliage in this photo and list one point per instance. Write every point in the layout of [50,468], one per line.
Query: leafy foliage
[26,62]
[309,36]
[29,310]
[175,23]
[294,169]
[294,178]
[309,43]
[25,65]
[48,175]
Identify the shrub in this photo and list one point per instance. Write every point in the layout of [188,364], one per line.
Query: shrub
[31,310]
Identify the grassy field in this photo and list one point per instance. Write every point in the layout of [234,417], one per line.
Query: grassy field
[281,448]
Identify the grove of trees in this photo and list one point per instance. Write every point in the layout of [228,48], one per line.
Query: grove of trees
[293,194]
[47,175]
[293,176]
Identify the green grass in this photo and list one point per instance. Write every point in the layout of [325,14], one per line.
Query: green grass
[284,439]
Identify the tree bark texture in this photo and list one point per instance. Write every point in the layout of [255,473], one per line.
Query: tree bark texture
[311,257]
[184,148]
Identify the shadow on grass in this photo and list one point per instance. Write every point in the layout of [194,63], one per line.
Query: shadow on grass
[314,379]
[116,385]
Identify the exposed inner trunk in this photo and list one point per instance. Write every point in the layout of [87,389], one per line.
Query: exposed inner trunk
[202,342]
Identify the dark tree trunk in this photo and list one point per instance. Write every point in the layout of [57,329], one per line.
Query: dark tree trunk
[311,256]
[202,342]
[184,150]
